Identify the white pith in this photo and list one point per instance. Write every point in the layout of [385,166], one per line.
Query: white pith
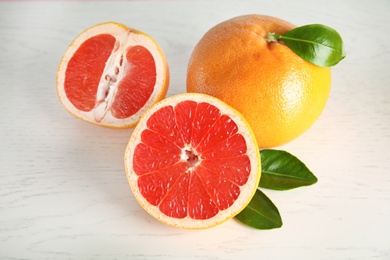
[184,157]
[247,190]
[114,71]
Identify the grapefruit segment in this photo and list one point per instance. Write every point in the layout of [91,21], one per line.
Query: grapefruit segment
[163,123]
[184,115]
[206,116]
[155,185]
[174,204]
[200,204]
[222,129]
[222,191]
[137,86]
[235,170]
[159,142]
[148,159]
[229,148]
[85,69]
[110,74]
[192,161]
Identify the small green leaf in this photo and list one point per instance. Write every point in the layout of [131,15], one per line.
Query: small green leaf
[260,213]
[283,171]
[315,43]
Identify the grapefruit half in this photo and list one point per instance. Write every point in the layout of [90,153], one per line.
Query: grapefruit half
[110,74]
[192,161]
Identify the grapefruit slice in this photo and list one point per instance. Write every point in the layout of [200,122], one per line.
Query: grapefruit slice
[192,161]
[110,74]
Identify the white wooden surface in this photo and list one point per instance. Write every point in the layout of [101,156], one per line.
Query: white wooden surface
[63,190]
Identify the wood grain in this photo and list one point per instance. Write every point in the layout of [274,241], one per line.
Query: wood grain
[64,193]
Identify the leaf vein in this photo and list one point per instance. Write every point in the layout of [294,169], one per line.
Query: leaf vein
[285,176]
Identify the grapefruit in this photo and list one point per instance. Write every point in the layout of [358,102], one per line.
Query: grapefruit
[192,161]
[279,94]
[110,74]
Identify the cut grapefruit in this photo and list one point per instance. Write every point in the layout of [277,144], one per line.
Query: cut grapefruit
[192,161]
[110,74]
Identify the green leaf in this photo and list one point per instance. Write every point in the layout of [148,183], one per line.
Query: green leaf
[315,43]
[283,171]
[260,213]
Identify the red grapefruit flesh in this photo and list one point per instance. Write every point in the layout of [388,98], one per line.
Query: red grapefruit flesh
[111,74]
[192,161]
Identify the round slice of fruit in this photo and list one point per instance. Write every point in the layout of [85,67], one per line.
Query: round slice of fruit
[192,161]
[110,74]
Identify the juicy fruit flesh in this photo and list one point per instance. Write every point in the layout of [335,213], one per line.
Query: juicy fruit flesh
[136,87]
[85,69]
[191,161]
[122,88]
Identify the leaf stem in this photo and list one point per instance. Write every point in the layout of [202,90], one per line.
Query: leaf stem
[272,37]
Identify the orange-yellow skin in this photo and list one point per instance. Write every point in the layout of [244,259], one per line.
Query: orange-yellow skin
[278,93]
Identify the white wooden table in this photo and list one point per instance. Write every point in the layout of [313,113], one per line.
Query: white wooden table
[63,189]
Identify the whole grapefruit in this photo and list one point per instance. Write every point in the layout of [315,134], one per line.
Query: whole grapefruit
[279,94]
